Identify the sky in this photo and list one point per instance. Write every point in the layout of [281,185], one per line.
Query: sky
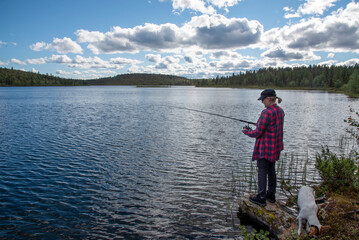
[87,39]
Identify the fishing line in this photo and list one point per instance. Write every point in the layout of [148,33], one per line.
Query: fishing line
[218,115]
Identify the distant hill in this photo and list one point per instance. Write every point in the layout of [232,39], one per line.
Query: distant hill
[141,79]
[12,77]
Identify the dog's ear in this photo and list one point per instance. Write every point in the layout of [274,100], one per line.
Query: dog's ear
[313,231]
[324,229]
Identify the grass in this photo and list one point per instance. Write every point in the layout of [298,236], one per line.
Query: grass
[339,209]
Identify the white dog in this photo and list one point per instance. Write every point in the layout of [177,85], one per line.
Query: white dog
[308,211]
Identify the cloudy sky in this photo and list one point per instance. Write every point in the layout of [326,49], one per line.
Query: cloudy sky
[85,39]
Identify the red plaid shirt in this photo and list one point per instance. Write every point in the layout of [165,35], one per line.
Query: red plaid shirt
[268,134]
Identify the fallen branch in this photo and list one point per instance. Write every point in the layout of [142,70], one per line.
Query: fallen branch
[349,213]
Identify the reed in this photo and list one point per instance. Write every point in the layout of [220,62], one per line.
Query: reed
[291,168]
[294,169]
[305,167]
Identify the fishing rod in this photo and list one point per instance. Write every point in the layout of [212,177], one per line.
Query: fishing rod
[215,114]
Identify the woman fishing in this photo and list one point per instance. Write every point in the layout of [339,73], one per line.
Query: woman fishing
[268,146]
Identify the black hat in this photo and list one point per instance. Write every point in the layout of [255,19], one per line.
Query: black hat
[267,93]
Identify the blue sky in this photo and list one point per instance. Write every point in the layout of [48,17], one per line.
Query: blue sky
[86,39]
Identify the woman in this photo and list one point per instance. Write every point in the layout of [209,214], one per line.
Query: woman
[269,144]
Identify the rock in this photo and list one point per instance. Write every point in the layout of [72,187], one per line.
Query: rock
[276,218]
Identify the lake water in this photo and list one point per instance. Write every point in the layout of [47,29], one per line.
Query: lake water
[110,162]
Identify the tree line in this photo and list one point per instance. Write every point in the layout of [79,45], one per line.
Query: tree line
[342,78]
[12,77]
[141,79]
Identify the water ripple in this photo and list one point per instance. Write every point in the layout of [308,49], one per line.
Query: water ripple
[122,163]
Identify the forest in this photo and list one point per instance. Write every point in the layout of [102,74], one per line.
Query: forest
[335,78]
[12,77]
[141,79]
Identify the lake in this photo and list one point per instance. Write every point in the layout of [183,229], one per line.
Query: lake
[114,162]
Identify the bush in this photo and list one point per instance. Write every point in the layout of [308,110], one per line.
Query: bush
[337,173]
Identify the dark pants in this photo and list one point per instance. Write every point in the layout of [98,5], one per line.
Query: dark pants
[266,169]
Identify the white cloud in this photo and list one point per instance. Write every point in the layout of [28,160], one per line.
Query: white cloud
[59,59]
[86,74]
[330,55]
[202,32]
[196,5]
[147,37]
[82,62]
[17,61]
[219,32]
[65,45]
[124,61]
[310,7]
[283,54]
[36,61]
[224,3]
[34,70]
[62,72]
[232,66]
[39,46]
[106,71]
[243,63]
[292,15]
[350,62]
[114,42]
[7,43]
[4,63]
[316,6]
[288,9]
[338,32]
[134,69]
[193,65]
[91,74]
[154,37]
[204,7]
[328,63]
[86,36]
[98,63]
[169,63]
[155,58]
[225,55]
[90,62]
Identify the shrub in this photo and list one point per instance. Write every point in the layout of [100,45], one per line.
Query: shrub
[337,173]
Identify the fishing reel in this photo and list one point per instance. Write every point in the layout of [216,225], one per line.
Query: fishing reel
[247,127]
